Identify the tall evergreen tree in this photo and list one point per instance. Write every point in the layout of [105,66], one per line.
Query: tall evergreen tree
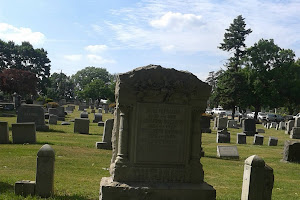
[232,84]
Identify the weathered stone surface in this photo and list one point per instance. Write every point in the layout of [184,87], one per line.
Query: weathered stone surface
[289,126]
[227,152]
[81,126]
[295,133]
[273,124]
[258,180]
[273,141]
[53,111]
[32,113]
[232,124]
[61,113]
[297,122]
[23,133]
[258,139]
[249,127]
[4,133]
[223,136]
[222,123]
[107,133]
[157,137]
[291,151]
[84,115]
[241,138]
[45,171]
[25,188]
[53,119]
[205,124]
[97,117]
[259,130]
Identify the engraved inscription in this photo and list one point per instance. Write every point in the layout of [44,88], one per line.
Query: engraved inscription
[161,133]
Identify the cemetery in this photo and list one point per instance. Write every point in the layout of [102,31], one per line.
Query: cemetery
[150,132]
[232,155]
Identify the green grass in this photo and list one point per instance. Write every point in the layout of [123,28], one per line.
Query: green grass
[79,166]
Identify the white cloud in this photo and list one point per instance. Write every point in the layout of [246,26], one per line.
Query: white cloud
[18,35]
[177,21]
[76,57]
[96,28]
[99,59]
[95,48]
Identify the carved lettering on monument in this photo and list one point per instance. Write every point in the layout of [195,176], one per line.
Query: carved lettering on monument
[161,134]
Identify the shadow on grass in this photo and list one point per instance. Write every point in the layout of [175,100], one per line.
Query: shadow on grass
[4,187]
[55,131]
[215,157]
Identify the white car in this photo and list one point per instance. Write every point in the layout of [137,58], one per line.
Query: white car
[251,115]
[218,111]
[262,116]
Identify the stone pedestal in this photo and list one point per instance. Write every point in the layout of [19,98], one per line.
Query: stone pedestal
[113,190]
[258,139]
[272,141]
[241,138]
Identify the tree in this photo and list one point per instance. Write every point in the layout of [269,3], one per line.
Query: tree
[20,81]
[25,57]
[212,80]
[89,74]
[231,82]
[269,74]
[97,89]
[62,87]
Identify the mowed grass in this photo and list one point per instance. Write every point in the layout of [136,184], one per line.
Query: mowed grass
[79,166]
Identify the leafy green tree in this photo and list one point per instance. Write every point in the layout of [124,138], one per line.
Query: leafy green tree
[212,80]
[25,57]
[62,87]
[268,69]
[97,89]
[231,82]
[89,74]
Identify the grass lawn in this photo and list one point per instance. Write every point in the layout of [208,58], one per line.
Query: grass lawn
[79,165]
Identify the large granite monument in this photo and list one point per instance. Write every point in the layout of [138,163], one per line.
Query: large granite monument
[157,137]
[32,113]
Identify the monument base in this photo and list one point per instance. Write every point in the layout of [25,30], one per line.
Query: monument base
[249,133]
[111,190]
[103,145]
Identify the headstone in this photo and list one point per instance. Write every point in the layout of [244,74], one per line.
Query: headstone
[107,133]
[53,111]
[24,133]
[258,139]
[232,124]
[205,124]
[45,171]
[281,126]
[223,136]
[32,113]
[297,122]
[228,152]
[273,141]
[81,126]
[62,102]
[241,138]
[53,119]
[92,107]
[291,151]
[99,110]
[93,111]
[84,115]
[61,113]
[295,133]
[289,126]
[69,109]
[105,108]
[249,127]
[258,180]
[100,123]
[25,188]
[216,119]
[273,124]
[157,137]
[268,126]
[4,133]
[81,107]
[222,123]
[97,117]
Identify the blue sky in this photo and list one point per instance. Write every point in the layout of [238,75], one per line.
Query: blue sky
[121,35]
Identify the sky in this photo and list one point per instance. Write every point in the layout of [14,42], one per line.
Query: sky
[121,35]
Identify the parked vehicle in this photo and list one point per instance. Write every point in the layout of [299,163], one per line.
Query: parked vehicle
[274,117]
[218,111]
[262,116]
[251,115]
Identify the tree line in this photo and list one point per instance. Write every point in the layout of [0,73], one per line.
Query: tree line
[261,76]
[25,71]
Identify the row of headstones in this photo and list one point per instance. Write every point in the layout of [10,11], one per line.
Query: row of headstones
[223,136]
[104,107]
[293,128]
